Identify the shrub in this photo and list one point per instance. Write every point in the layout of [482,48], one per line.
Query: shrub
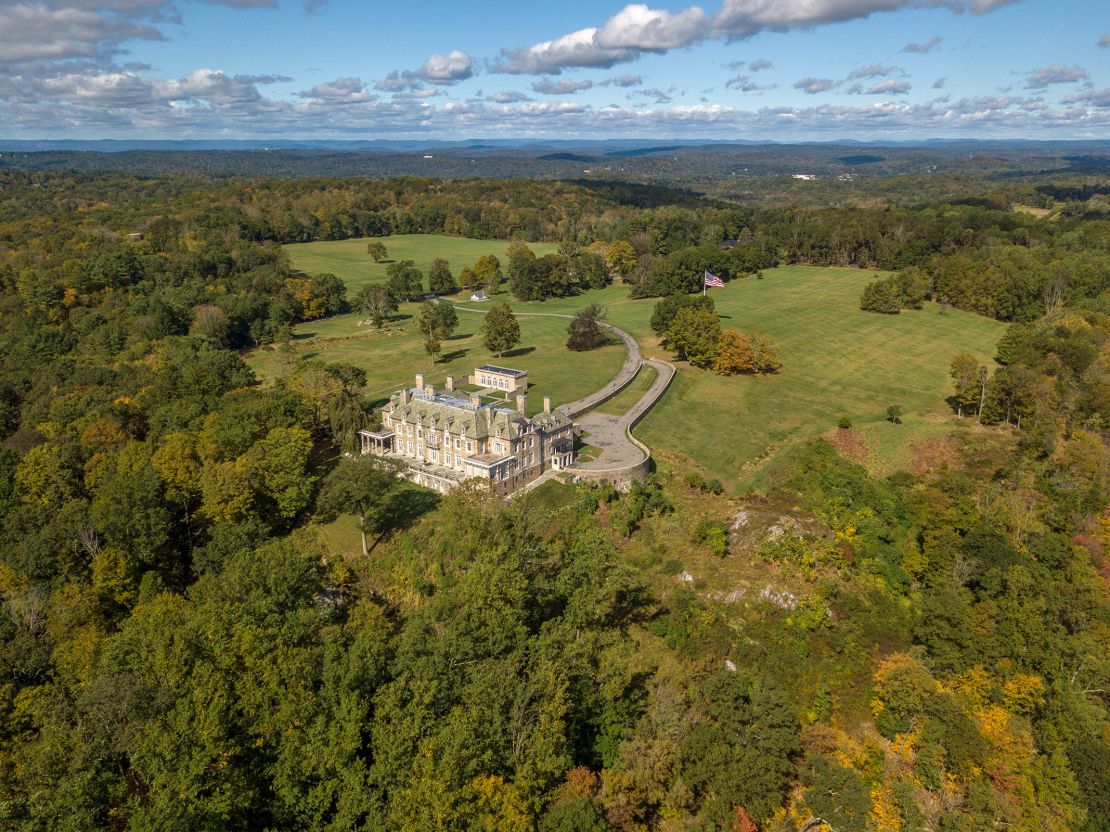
[844,423]
[714,534]
[880,296]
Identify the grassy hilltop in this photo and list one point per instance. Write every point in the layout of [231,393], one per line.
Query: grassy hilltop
[837,361]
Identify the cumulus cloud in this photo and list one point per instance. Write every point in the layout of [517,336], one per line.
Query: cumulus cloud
[622,81]
[654,94]
[922,48]
[563,87]
[812,86]
[31,32]
[1055,74]
[889,87]
[637,29]
[1095,98]
[340,91]
[508,97]
[744,83]
[1104,41]
[633,30]
[442,70]
[873,71]
[451,68]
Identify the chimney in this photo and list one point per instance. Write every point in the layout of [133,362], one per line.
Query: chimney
[547,404]
[475,400]
[521,404]
[429,389]
[405,396]
[450,384]
[419,381]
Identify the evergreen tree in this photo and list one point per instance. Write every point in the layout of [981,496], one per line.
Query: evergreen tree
[585,331]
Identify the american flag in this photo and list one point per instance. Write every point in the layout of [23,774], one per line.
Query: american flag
[712,280]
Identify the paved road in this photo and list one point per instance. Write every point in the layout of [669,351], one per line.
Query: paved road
[610,433]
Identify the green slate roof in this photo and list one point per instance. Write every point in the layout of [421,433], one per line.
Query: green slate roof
[458,415]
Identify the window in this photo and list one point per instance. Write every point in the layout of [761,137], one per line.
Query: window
[447,458]
[410,447]
[458,444]
[469,447]
[420,433]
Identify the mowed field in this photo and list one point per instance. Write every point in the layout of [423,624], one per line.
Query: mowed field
[837,361]
[348,260]
[392,356]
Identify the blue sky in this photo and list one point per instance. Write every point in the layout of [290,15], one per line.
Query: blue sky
[748,69]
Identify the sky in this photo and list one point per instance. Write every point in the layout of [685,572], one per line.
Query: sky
[784,70]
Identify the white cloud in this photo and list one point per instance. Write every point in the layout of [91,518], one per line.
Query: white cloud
[1055,74]
[563,87]
[451,68]
[32,32]
[627,80]
[637,29]
[812,86]
[340,91]
[921,48]
[889,87]
[1104,41]
[760,64]
[508,97]
[873,71]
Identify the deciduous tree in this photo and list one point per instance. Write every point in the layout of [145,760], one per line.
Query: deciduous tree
[500,329]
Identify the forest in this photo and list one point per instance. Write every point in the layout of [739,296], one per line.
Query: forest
[182,650]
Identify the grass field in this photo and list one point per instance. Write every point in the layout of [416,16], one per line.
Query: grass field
[836,360]
[392,356]
[348,260]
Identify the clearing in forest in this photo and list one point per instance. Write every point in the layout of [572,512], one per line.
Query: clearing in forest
[348,260]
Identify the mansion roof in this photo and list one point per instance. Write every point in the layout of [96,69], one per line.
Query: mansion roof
[444,411]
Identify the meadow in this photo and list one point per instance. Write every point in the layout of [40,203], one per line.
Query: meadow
[393,355]
[348,260]
[837,362]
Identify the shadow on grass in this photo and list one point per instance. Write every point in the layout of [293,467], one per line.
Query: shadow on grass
[448,357]
[518,352]
[460,337]
[408,504]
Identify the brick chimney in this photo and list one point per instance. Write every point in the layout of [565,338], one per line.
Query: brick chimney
[475,400]
[450,384]
[429,389]
[547,404]
[419,381]
[521,404]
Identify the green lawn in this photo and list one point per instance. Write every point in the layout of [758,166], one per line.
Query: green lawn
[392,356]
[836,359]
[623,401]
[348,260]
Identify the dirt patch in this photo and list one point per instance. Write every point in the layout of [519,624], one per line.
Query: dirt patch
[851,445]
[932,455]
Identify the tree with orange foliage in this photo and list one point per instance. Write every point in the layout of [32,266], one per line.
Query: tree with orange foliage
[734,354]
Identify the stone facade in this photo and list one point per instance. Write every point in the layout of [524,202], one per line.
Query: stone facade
[443,438]
[500,378]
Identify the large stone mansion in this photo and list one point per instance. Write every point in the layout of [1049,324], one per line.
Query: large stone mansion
[444,437]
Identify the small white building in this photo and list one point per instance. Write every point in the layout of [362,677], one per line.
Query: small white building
[479,296]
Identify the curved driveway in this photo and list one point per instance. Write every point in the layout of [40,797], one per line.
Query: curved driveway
[612,434]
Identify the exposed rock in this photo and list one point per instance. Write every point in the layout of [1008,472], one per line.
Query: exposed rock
[782,599]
